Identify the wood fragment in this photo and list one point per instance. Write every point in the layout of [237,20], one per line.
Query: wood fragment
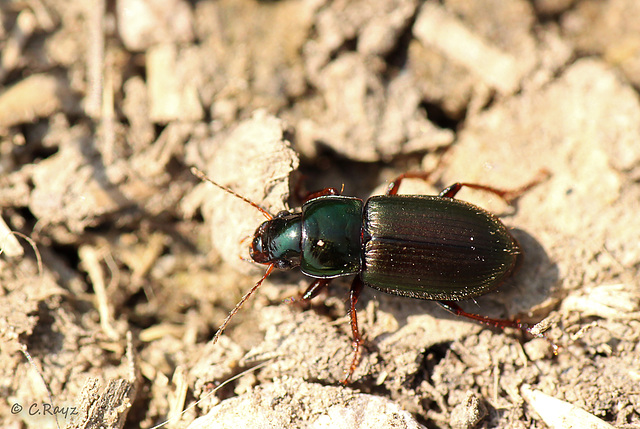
[107,409]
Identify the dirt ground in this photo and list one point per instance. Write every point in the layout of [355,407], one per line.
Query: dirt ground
[122,264]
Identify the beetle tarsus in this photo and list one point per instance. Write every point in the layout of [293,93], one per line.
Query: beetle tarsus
[514,194]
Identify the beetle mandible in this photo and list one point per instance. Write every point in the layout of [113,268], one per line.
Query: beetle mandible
[419,246]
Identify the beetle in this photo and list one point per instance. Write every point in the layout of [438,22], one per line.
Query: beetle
[418,246]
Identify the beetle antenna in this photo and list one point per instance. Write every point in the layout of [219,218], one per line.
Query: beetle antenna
[200,175]
[239,304]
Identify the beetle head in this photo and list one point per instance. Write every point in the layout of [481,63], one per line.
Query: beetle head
[277,241]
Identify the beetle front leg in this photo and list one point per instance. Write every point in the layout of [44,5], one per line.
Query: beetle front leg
[314,289]
[354,294]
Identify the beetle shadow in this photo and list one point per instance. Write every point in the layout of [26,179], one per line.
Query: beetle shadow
[520,296]
[534,281]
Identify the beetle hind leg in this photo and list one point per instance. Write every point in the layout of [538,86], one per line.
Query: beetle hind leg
[454,308]
[508,195]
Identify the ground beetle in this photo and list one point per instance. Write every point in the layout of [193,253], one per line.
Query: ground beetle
[428,247]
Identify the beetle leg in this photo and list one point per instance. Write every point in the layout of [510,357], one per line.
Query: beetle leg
[395,184]
[311,292]
[306,196]
[509,195]
[354,294]
[322,193]
[454,308]
[314,289]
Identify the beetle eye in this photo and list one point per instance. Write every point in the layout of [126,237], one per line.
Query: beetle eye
[256,246]
[257,251]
